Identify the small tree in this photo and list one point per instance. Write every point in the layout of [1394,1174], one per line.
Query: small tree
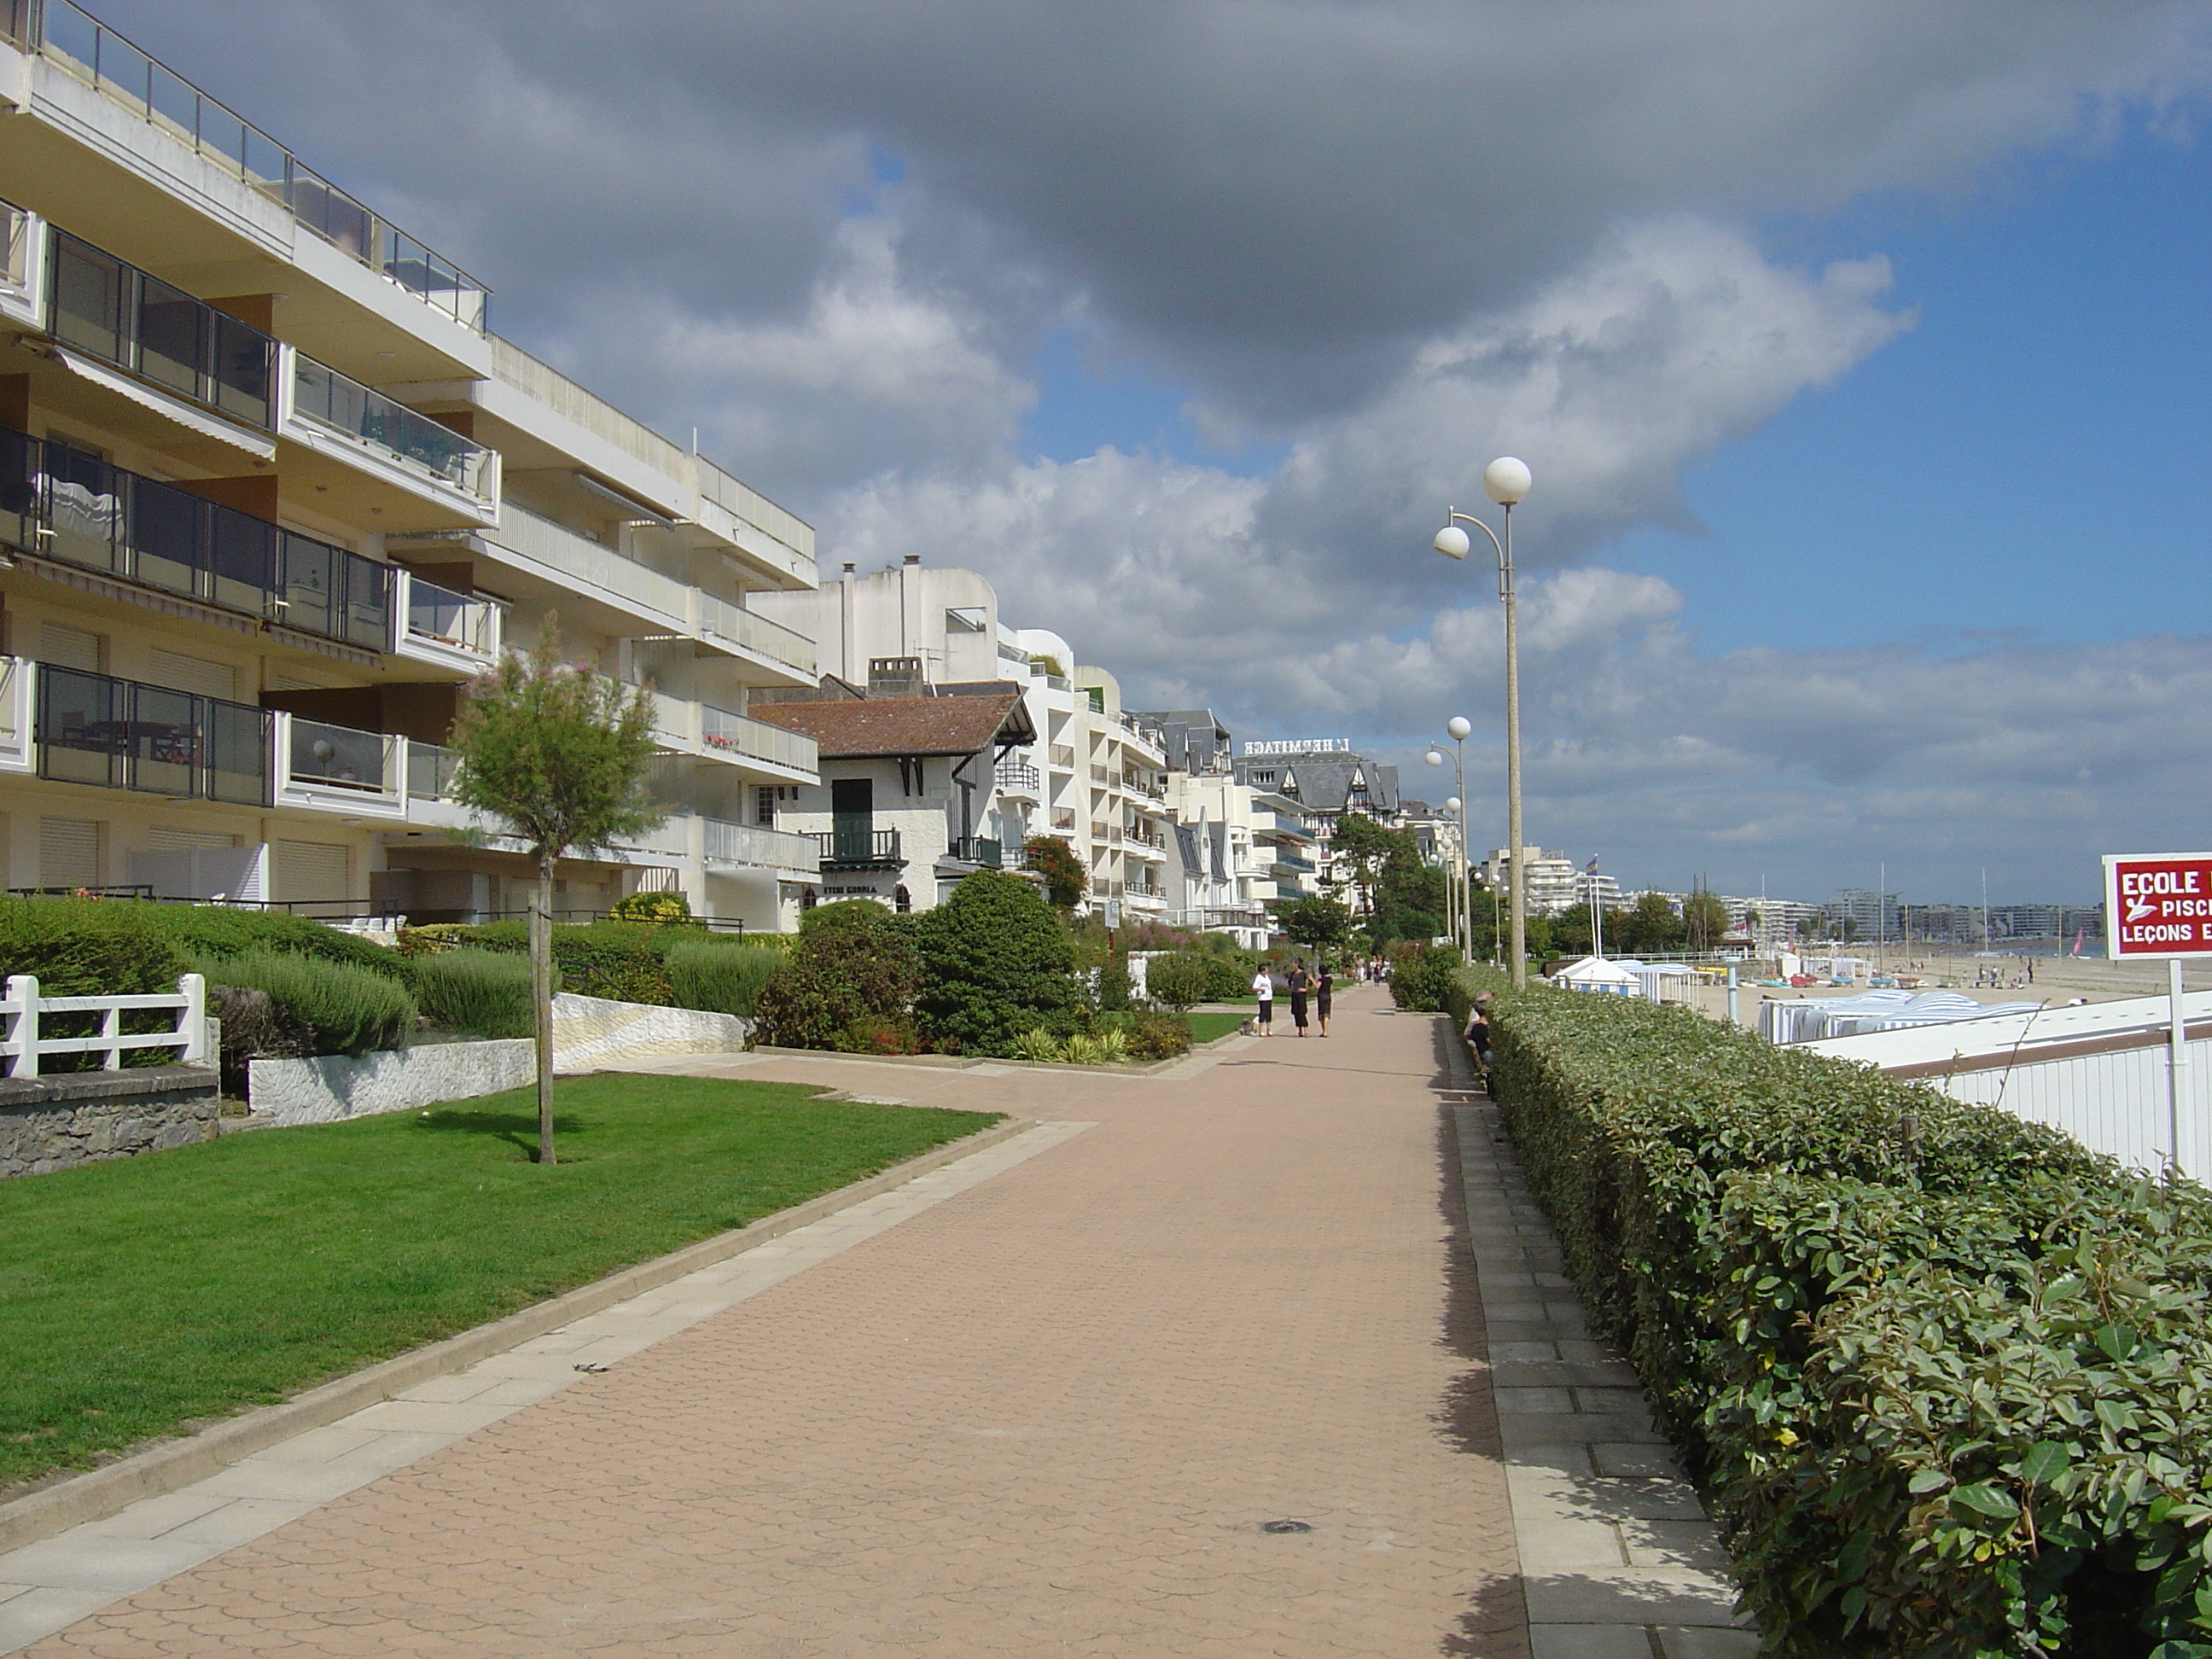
[994,964]
[1318,922]
[1362,847]
[558,753]
[1063,872]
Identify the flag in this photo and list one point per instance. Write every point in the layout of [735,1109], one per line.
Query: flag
[1590,869]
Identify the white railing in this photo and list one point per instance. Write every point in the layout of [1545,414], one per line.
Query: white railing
[772,639]
[18,678]
[23,1009]
[750,843]
[464,622]
[323,395]
[724,732]
[555,545]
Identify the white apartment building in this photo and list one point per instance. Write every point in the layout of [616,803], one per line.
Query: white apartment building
[272,490]
[1093,774]
[1556,883]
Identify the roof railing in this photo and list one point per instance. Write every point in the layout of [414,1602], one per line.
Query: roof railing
[71,38]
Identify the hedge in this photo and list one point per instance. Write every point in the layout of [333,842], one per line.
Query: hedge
[1946,1376]
[486,993]
[349,1010]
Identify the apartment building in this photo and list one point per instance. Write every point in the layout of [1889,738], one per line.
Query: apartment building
[272,490]
[1323,784]
[1091,773]
[1556,883]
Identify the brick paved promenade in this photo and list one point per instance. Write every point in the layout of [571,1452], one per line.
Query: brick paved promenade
[1047,1415]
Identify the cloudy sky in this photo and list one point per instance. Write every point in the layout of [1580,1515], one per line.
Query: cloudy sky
[1860,353]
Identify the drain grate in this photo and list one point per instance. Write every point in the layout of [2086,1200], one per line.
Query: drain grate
[1283,1526]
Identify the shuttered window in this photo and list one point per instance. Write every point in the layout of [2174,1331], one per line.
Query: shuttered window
[72,647]
[286,682]
[68,852]
[196,675]
[311,870]
[161,840]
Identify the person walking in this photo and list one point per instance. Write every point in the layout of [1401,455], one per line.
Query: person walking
[1324,987]
[1298,985]
[1263,987]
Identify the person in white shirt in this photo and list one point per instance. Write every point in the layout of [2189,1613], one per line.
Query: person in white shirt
[1264,988]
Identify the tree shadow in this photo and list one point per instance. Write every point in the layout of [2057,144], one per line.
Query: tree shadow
[516,1129]
[1494,1623]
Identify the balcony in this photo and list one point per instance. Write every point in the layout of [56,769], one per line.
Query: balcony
[567,560]
[73,40]
[975,850]
[117,313]
[1018,778]
[1062,757]
[412,443]
[121,734]
[431,769]
[720,621]
[1099,775]
[1063,820]
[736,737]
[462,631]
[760,848]
[339,769]
[857,847]
[63,505]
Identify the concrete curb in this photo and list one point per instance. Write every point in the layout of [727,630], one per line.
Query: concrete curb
[170,1464]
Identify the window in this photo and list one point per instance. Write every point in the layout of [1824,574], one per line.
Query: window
[1097,695]
[68,852]
[196,675]
[72,647]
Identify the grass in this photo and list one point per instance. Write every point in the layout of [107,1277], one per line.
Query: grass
[1204,1028]
[145,1293]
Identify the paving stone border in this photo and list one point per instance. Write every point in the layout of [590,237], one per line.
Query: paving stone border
[169,1465]
[1619,1559]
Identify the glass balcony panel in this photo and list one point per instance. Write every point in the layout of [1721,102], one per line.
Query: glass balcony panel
[84,509]
[78,727]
[124,71]
[241,560]
[164,736]
[267,165]
[69,33]
[90,292]
[237,753]
[221,136]
[242,357]
[172,338]
[439,613]
[310,578]
[430,771]
[165,539]
[337,755]
[367,602]
[335,400]
[173,103]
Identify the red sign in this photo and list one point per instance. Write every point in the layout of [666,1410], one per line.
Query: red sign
[2157,904]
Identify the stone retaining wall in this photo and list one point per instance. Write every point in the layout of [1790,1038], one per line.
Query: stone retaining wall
[588,1032]
[49,1123]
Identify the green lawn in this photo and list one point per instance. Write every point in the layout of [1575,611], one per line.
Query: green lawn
[1204,1028]
[141,1294]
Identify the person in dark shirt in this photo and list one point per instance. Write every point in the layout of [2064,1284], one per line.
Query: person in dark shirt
[1298,985]
[1478,1033]
[1324,988]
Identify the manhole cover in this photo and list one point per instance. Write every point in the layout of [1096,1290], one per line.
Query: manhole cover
[1283,1526]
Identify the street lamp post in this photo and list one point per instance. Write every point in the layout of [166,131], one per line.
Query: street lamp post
[1457,808]
[1458,896]
[1506,482]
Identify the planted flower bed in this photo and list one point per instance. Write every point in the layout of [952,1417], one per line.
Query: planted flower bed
[1945,1376]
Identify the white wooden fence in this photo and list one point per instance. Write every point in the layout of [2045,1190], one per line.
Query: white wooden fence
[23,1008]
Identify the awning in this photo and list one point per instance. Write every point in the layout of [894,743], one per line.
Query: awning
[260,445]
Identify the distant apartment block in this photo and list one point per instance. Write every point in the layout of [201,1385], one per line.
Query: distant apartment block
[272,490]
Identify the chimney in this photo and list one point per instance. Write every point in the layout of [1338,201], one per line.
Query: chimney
[914,558]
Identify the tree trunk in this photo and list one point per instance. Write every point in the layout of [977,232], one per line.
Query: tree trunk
[541,990]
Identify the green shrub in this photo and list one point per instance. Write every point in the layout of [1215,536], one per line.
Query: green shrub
[651,907]
[1155,1037]
[124,956]
[621,961]
[723,979]
[1180,982]
[484,993]
[350,1010]
[1039,1045]
[994,963]
[1947,1376]
[254,1027]
[1113,984]
[1424,979]
[848,978]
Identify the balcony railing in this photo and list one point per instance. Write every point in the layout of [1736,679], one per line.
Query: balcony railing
[121,734]
[975,850]
[1064,819]
[1099,774]
[73,39]
[1018,778]
[338,401]
[341,757]
[857,844]
[750,843]
[771,639]
[117,313]
[463,620]
[430,771]
[573,554]
[63,504]
[735,734]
